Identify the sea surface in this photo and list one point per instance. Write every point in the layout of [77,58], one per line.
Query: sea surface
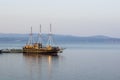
[90,61]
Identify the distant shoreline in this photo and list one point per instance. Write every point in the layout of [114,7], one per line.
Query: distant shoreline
[59,38]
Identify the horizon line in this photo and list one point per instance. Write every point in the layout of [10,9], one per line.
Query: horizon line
[63,35]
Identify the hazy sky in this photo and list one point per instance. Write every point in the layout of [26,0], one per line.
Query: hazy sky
[69,17]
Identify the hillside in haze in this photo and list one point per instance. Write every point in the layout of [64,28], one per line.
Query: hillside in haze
[23,38]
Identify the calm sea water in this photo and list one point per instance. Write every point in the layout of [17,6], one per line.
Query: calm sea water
[77,62]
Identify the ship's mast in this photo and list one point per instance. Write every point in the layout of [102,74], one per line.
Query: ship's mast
[40,36]
[30,41]
[50,39]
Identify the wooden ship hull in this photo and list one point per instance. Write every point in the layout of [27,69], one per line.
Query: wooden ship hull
[42,51]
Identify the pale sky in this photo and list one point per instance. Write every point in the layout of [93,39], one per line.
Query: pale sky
[68,17]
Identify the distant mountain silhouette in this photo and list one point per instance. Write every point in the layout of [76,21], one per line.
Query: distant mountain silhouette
[22,38]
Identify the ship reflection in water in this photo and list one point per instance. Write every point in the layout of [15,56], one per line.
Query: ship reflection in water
[41,66]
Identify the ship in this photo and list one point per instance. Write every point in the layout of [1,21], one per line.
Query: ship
[39,48]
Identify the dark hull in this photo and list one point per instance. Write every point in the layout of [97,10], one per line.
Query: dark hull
[40,51]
